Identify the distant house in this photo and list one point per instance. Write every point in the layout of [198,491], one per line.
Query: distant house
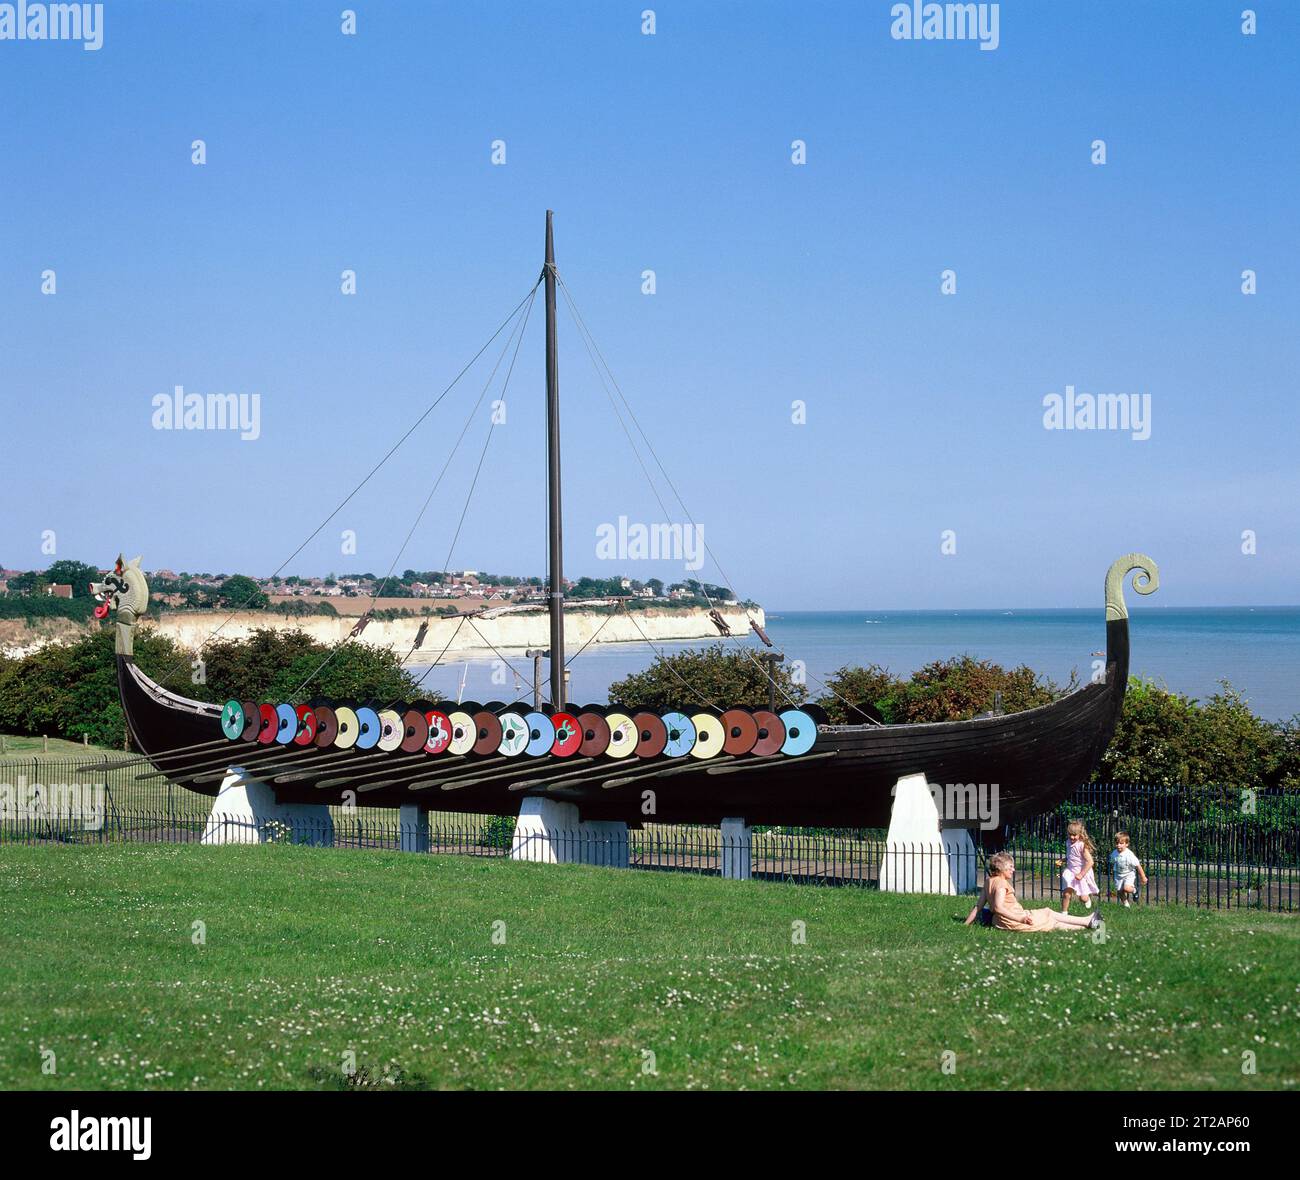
[59,590]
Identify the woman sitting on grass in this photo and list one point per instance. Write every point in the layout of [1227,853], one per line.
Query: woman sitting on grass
[1009,914]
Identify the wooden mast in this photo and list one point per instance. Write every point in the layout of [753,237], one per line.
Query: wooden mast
[554,523]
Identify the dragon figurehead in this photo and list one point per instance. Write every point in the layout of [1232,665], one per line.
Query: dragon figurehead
[125,591]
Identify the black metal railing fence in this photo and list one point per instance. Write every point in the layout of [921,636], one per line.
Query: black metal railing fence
[1203,847]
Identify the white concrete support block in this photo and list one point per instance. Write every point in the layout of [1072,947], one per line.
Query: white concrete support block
[603,842]
[546,831]
[737,849]
[413,828]
[245,811]
[920,855]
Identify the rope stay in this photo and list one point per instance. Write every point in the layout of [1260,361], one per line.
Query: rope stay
[594,352]
[516,336]
[365,480]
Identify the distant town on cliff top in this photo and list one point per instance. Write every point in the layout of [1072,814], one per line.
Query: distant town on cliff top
[63,589]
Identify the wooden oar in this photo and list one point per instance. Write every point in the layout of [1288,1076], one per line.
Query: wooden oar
[254,754]
[630,774]
[669,771]
[414,773]
[162,755]
[769,764]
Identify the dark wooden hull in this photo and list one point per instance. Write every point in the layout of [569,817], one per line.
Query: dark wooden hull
[1035,758]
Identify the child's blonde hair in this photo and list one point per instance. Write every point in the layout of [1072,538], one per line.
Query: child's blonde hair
[1123,836]
[1077,827]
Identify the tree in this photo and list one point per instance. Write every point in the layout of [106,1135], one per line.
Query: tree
[273,665]
[1169,739]
[857,694]
[239,591]
[31,582]
[723,676]
[71,689]
[955,689]
[76,574]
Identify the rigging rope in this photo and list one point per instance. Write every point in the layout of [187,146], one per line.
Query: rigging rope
[451,639]
[593,351]
[618,606]
[532,291]
[469,495]
[590,344]
[516,335]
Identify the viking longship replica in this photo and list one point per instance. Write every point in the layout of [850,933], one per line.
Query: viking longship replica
[776,765]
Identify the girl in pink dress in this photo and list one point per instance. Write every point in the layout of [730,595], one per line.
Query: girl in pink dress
[1077,876]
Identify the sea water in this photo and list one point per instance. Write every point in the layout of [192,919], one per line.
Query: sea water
[1188,650]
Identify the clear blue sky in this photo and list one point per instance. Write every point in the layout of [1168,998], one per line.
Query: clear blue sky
[775,282]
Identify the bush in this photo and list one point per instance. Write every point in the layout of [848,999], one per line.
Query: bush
[67,690]
[498,832]
[22,606]
[1168,739]
[70,689]
[946,690]
[271,665]
[857,691]
[713,673]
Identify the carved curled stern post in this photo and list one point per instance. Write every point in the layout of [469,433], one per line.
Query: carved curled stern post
[1146,581]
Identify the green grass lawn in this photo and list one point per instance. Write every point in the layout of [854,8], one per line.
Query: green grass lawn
[310,954]
[21,746]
